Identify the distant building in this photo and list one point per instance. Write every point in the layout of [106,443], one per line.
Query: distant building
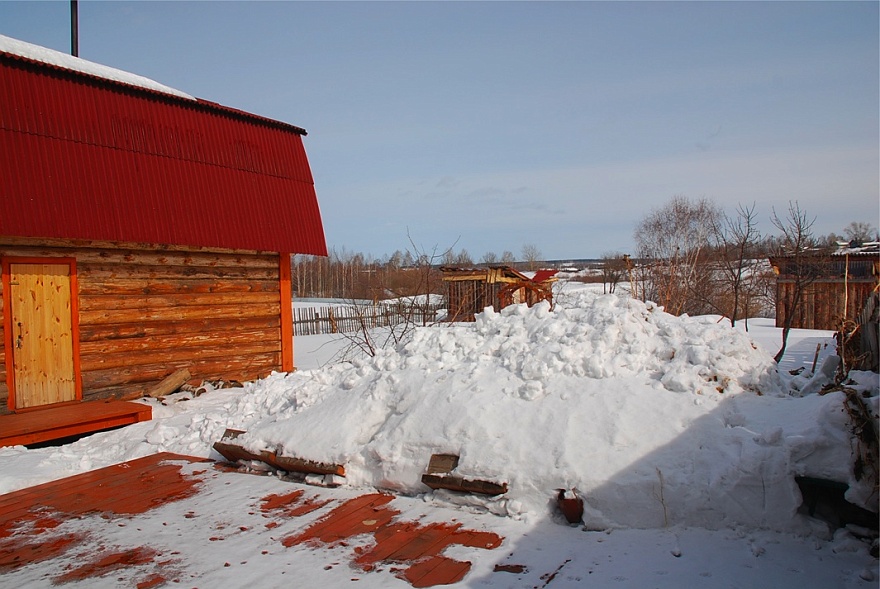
[470,290]
[839,284]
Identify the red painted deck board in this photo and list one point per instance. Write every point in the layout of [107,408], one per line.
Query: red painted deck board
[389,543]
[146,479]
[54,423]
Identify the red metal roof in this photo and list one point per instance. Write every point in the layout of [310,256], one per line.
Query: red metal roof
[85,157]
[542,275]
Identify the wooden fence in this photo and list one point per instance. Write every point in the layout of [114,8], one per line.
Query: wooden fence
[870,334]
[354,318]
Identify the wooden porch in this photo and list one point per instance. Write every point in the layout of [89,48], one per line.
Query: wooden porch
[70,419]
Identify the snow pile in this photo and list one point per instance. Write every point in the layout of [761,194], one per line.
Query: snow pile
[655,419]
[608,336]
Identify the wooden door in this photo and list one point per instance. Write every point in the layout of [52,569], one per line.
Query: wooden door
[41,327]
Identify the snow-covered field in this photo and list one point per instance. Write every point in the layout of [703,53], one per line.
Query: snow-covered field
[680,433]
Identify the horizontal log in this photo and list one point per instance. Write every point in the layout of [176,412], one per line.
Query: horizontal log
[151,258]
[147,260]
[108,331]
[129,392]
[186,259]
[232,367]
[174,356]
[234,453]
[135,286]
[176,313]
[214,338]
[124,392]
[457,483]
[99,302]
[108,250]
[98,272]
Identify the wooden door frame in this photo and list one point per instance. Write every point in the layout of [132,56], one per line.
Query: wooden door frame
[5,263]
[286,296]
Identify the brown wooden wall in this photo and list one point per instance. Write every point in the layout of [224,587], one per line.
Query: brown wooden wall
[147,311]
[822,304]
[465,298]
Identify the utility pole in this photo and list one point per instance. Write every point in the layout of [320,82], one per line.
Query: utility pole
[74,28]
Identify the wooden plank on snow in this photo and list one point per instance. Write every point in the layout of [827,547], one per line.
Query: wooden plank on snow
[440,475]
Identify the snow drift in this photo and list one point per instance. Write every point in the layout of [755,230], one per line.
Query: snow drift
[656,420]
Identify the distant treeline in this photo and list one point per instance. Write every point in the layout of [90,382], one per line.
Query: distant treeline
[688,256]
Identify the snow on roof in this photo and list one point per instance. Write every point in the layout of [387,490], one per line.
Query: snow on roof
[855,247]
[69,62]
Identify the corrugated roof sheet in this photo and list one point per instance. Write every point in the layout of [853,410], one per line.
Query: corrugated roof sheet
[90,158]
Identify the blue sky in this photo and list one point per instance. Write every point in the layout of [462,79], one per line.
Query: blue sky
[491,125]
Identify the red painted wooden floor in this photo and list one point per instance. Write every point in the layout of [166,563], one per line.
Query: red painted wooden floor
[71,419]
[410,550]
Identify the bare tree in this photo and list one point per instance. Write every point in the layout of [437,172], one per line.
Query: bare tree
[672,242]
[795,247]
[395,261]
[489,258]
[860,232]
[507,257]
[464,258]
[531,255]
[736,243]
[614,269]
[414,303]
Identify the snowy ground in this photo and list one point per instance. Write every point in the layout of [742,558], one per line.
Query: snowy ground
[680,433]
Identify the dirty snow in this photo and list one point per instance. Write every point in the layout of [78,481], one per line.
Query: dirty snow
[679,432]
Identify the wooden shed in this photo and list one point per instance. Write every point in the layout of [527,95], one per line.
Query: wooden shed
[470,290]
[141,231]
[838,285]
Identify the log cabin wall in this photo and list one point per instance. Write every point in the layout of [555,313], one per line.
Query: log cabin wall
[146,311]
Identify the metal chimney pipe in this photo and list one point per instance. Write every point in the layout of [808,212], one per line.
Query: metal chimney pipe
[74,28]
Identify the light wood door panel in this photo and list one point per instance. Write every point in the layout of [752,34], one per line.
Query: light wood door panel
[42,334]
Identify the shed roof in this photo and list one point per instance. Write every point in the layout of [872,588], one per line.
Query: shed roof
[106,157]
[496,273]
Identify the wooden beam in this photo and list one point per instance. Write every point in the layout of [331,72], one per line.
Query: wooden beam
[170,383]
[286,314]
[233,452]
[439,475]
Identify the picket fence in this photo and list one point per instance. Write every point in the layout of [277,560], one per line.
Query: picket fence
[354,318]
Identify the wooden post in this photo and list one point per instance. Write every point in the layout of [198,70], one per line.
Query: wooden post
[286,313]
